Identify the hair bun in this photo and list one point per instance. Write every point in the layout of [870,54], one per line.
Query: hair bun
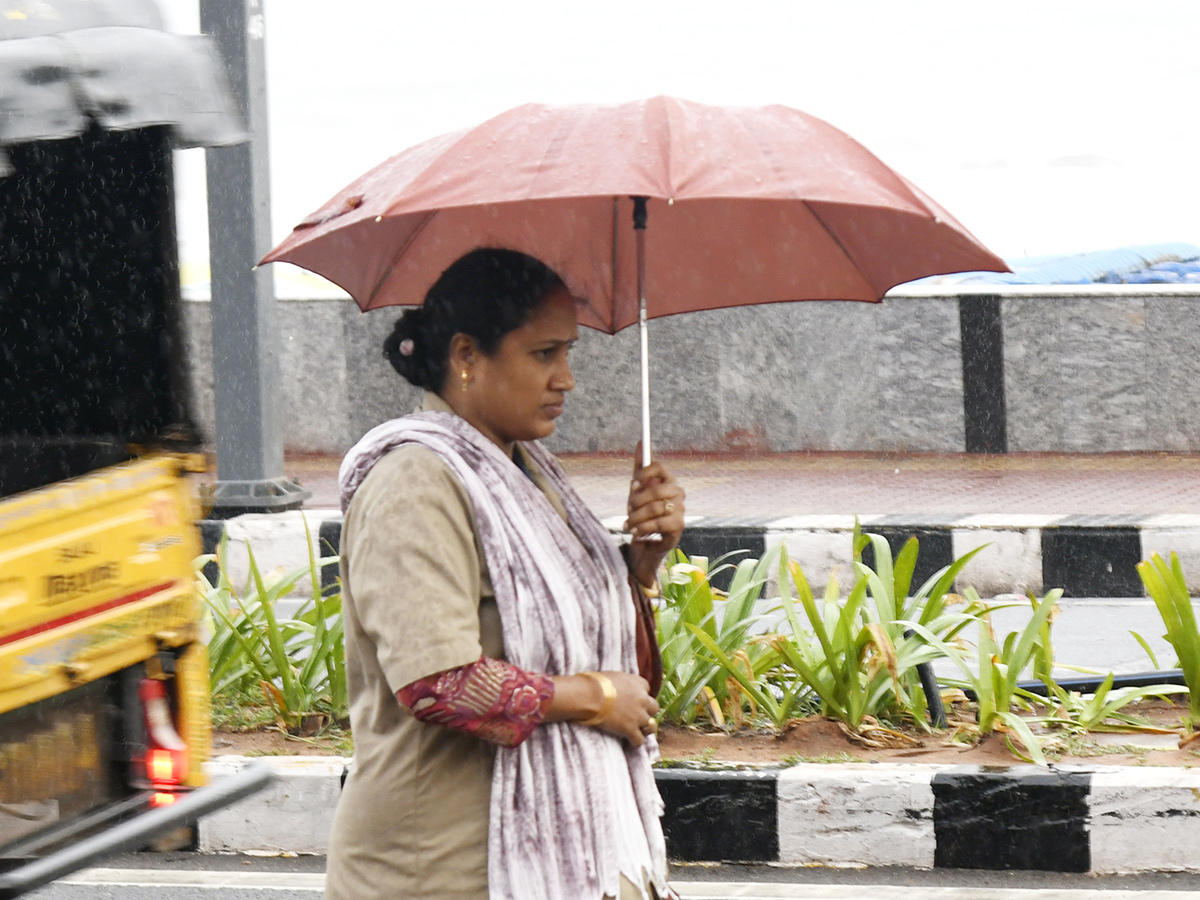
[405,345]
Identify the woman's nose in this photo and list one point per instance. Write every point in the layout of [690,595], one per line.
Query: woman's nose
[563,379]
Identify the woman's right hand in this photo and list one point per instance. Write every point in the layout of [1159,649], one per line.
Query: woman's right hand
[580,697]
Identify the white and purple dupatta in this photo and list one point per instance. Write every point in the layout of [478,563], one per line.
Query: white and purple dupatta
[572,807]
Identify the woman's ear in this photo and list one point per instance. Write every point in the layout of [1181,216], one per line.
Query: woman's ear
[463,351]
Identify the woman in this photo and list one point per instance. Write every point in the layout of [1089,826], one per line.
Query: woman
[502,733]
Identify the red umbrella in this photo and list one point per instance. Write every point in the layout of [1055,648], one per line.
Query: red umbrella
[733,206]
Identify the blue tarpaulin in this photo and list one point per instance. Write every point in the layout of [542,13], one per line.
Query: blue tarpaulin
[1167,263]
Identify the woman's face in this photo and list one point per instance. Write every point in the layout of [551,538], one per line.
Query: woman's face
[516,393]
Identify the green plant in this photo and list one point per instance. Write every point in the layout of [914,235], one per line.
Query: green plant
[854,659]
[861,659]
[994,680]
[1102,711]
[1167,586]
[712,665]
[240,712]
[848,665]
[297,663]
[1153,657]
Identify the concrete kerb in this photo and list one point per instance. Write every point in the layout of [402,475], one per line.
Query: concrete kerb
[1103,820]
[293,814]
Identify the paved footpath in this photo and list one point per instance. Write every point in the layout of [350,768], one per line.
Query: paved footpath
[801,484]
[1079,522]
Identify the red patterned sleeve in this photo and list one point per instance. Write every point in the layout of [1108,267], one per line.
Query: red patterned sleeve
[490,699]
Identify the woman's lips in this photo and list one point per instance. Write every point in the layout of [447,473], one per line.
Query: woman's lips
[553,410]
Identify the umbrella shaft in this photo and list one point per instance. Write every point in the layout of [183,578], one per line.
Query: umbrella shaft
[645,385]
[640,234]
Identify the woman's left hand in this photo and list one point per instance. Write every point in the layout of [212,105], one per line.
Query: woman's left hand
[655,518]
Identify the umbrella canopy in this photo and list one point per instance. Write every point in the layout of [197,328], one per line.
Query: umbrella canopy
[746,205]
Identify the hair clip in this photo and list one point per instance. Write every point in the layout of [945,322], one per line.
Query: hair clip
[406,347]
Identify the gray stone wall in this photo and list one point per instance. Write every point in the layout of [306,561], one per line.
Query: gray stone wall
[1102,368]
[1103,372]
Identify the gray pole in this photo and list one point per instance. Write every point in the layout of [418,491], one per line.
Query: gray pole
[246,380]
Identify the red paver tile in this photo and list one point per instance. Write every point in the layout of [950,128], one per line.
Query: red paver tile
[868,484]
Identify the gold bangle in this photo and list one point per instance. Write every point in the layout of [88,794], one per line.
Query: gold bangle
[610,697]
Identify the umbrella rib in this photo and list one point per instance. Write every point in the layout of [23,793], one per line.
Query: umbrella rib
[842,247]
[612,305]
[771,160]
[395,260]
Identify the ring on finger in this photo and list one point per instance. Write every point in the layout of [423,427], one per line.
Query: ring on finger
[669,507]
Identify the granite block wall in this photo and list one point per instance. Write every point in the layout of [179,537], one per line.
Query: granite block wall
[1172,367]
[374,392]
[1085,370]
[1075,373]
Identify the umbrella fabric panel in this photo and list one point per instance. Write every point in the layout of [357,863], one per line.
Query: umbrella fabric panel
[539,152]
[394,261]
[369,196]
[774,152]
[896,248]
[662,148]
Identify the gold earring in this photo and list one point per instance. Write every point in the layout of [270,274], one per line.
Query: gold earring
[464,379]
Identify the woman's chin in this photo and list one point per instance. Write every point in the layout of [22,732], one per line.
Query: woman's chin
[543,429]
[534,432]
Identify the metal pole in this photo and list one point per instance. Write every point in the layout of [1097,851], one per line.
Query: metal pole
[246,380]
[639,228]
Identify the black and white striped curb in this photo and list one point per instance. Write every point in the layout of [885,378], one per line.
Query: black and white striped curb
[1104,820]
[1087,556]
[1110,820]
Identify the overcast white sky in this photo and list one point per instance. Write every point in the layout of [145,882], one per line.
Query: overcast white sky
[1045,126]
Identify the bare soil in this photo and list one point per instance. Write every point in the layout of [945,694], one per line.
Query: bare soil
[823,740]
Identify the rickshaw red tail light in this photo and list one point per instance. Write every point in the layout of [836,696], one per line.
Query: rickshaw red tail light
[166,752]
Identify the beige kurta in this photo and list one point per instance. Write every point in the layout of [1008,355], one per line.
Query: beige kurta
[412,821]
